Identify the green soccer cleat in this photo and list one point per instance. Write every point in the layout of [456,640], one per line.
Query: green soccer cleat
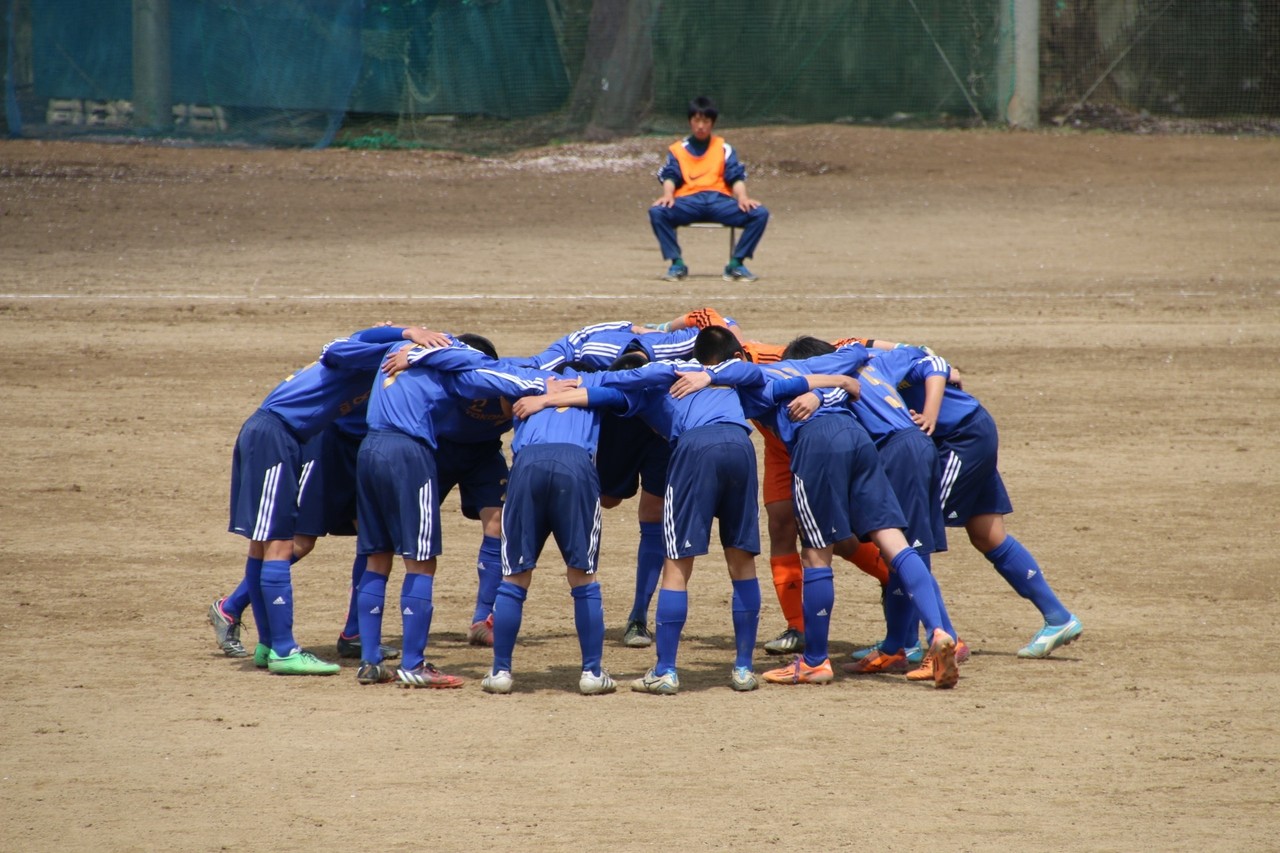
[261,655]
[300,663]
[1051,637]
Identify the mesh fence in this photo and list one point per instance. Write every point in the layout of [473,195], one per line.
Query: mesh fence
[493,73]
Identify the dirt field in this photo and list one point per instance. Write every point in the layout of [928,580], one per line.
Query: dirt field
[1114,300]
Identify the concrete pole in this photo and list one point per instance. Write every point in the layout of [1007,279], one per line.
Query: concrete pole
[1024,105]
[152,81]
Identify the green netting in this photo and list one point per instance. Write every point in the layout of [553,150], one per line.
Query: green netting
[479,72]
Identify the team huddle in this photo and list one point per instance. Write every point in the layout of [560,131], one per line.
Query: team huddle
[872,449]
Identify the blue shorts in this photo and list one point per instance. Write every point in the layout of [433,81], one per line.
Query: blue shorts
[397,496]
[478,469]
[910,461]
[839,486]
[712,476]
[265,467]
[327,487]
[631,456]
[971,485]
[554,491]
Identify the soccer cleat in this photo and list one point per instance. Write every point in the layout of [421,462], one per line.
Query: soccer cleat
[596,685]
[962,650]
[878,662]
[261,655]
[351,647]
[737,272]
[426,676]
[1051,637]
[676,272]
[859,654]
[299,663]
[789,642]
[799,672]
[744,679]
[915,654]
[374,673]
[481,633]
[497,682]
[637,635]
[226,631]
[939,663]
[667,684]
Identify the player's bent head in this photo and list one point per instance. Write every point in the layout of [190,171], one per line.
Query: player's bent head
[573,367]
[716,344]
[630,360]
[703,106]
[479,342]
[806,346]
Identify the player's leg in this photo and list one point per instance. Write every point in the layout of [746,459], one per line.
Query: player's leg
[370,605]
[924,593]
[669,617]
[746,616]
[665,221]
[488,576]
[784,555]
[1023,573]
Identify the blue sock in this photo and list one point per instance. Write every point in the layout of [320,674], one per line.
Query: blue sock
[508,612]
[415,614]
[489,575]
[239,600]
[819,597]
[900,620]
[253,585]
[920,587]
[649,557]
[1016,565]
[371,601]
[277,596]
[351,630]
[669,619]
[942,608]
[746,620]
[588,618]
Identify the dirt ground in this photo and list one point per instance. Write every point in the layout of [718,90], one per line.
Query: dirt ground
[1114,300]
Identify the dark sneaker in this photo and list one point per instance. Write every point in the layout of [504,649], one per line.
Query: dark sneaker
[637,635]
[226,631]
[351,648]
[737,272]
[374,673]
[789,642]
[676,272]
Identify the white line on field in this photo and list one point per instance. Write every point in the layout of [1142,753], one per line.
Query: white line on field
[569,297]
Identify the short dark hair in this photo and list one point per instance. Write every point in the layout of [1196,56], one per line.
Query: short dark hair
[630,360]
[806,346]
[574,366]
[716,344]
[702,105]
[479,342]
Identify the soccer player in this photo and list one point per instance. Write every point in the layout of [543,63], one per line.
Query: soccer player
[631,457]
[554,490]
[973,494]
[398,494]
[266,484]
[703,181]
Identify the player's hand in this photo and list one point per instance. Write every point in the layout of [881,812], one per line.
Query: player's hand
[803,407]
[555,386]
[689,383]
[527,406]
[665,201]
[927,425]
[955,378]
[746,205]
[397,361]
[852,387]
[424,337]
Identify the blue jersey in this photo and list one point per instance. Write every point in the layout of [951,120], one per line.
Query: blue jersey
[599,345]
[880,408]
[336,384]
[436,378]
[908,368]
[718,403]
[834,402]
[581,426]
